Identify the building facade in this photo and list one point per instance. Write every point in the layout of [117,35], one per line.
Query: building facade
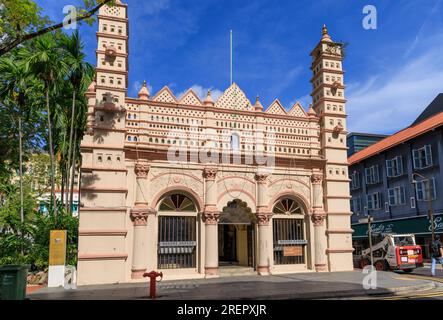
[187,186]
[390,181]
[358,141]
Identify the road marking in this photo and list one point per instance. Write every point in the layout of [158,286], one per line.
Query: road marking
[416,276]
[418,295]
[404,278]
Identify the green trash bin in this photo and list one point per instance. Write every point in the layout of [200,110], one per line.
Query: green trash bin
[13,280]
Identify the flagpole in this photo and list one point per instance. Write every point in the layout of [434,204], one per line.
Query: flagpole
[231,54]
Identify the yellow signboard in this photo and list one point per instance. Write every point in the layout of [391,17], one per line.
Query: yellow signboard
[57,248]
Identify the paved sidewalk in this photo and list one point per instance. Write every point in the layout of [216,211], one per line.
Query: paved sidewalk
[288,286]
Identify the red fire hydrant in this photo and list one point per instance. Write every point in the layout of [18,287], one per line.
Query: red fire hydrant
[153,281]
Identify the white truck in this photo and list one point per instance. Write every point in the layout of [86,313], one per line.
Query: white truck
[394,252]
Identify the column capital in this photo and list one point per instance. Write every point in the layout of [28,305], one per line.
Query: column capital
[317,178]
[141,170]
[261,177]
[139,215]
[318,218]
[209,173]
[210,217]
[263,218]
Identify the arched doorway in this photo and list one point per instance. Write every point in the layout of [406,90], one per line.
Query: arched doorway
[289,232]
[236,235]
[177,232]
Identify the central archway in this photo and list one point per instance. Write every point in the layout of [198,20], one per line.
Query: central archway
[236,235]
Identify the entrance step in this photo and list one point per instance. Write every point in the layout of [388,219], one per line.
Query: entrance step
[236,271]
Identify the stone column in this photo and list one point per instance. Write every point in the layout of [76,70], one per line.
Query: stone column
[263,218]
[210,218]
[139,216]
[318,218]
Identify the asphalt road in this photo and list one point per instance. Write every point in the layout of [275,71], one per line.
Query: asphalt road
[420,273]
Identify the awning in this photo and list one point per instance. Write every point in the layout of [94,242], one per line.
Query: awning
[420,225]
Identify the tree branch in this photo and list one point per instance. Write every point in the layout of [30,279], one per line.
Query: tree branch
[20,39]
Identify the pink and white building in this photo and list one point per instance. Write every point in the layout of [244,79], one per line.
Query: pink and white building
[188,187]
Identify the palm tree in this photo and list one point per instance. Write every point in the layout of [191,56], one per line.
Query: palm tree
[13,88]
[80,73]
[45,62]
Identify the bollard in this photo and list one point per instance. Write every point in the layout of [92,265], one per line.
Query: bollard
[153,275]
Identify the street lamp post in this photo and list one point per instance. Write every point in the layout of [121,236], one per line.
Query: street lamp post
[429,200]
[370,239]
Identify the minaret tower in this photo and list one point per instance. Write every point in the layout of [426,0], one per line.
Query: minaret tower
[328,97]
[102,251]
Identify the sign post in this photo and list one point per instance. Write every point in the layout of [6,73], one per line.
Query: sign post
[57,258]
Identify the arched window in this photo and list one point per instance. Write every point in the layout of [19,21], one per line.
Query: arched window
[177,203]
[290,243]
[287,206]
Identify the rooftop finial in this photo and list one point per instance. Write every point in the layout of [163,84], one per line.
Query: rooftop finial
[258,106]
[325,33]
[144,92]
[208,101]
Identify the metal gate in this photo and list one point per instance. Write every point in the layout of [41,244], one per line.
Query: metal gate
[177,242]
[289,241]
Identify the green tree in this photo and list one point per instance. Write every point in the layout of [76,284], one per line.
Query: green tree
[21,20]
[80,75]
[15,87]
[47,66]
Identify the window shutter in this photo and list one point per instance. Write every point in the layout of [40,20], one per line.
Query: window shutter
[412,202]
[376,174]
[402,195]
[399,165]
[369,201]
[389,168]
[391,196]
[368,175]
[428,155]
[359,204]
[416,159]
[419,189]
[433,189]
[377,200]
[352,206]
[357,179]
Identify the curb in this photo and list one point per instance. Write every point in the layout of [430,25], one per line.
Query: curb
[344,294]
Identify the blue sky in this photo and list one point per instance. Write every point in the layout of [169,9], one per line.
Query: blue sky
[392,72]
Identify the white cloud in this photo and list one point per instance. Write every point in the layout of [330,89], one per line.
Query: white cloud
[154,7]
[202,92]
[391,101]
[305,101]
